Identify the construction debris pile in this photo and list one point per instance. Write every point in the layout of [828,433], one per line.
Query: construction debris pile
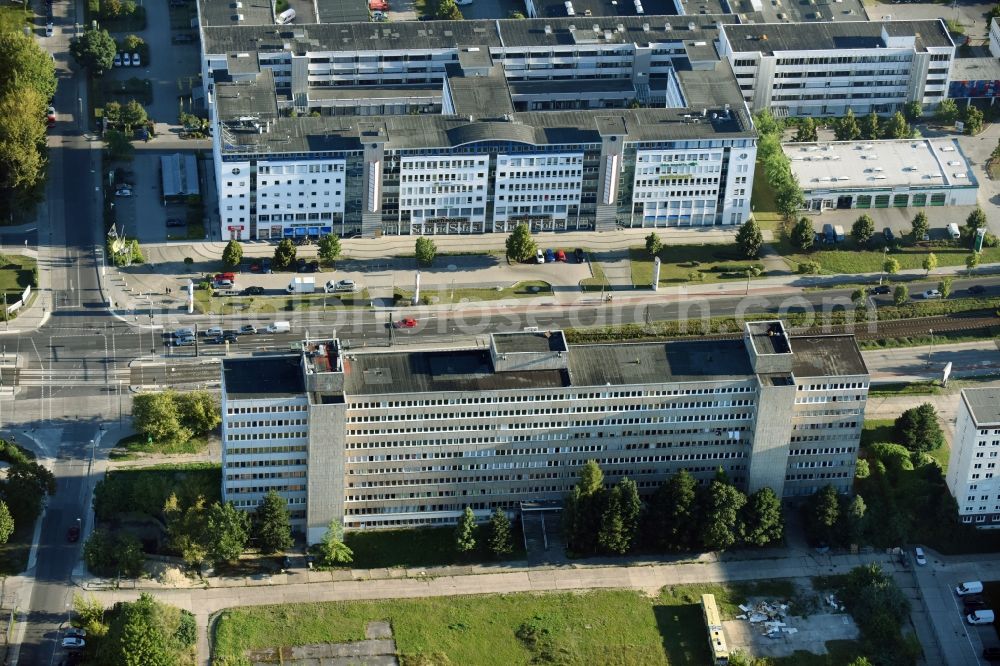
[768,617]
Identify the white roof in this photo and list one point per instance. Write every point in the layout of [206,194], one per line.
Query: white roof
[912,163]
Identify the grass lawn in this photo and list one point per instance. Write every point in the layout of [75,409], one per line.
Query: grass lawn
[16,273]
[877,431]
[136,445]
[849,259]
[915,388]
[679,262]
[444,294]
[205,303]
[599,281]
[762,201]
[425,547]
[13,17]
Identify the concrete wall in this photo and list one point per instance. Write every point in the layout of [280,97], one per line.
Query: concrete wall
[325,476]
[772,431]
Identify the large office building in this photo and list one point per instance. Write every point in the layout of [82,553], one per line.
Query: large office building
[476,126]
[409,438]
[826,68]
[841,175]
[972,472]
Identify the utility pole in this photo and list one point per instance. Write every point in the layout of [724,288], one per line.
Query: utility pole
[931,347]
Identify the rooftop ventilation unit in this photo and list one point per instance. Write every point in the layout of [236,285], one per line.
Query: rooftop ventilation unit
[569,9]
[639,10]
[548,28]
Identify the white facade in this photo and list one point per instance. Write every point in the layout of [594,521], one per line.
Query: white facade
[995,38]
[534,185]
[433,187]
[972,471]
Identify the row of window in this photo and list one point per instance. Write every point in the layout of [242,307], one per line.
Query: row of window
[266,423]
[270,409]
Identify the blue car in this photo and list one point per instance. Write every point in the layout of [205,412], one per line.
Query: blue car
[550,256]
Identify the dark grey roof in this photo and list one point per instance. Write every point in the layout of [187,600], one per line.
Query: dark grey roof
[647,363]
[225,12]
[437,371]
[772,38]
[387,92]
[975,69]
[419,35]
[557,8]
[247,98]
[984,403]
[479,96]
[342,11]
[826,356]
[572,87]
[263,377]
[710,88]
[529,341]
[242,63]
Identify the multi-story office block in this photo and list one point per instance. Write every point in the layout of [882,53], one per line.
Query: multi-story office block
[972,471]
[817,69]
[387,439]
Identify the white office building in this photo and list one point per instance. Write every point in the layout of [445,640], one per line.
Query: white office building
[824,69]
[973,477]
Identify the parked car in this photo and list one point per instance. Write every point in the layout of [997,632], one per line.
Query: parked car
[76,632]
[123,192]
[126,60]
[550,256]
[918,554]
[560,255]
[882,289]
[405,322]
[49,29]
[73,534]
[977,289]
[117,62]
[255,267]
[182,342]
[265,266]
[253,290]
[539,257]
[579,255]
[230,336]
[73,643]
[248,329]
[301,265]
[931,293]
[135,60]
[141,134]
[980,617]
[969,587]
[213,332]
[223,284]
[889,237]
[183,333]
[50,117]
[347,286]
[176,222]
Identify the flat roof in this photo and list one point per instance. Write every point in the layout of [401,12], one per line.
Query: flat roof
[710,88]
[826,356]
[558,9]
[236,12]
[975,69]
[769,38]
[653,362]
[880,164]
[479,96]
[529,341]
[263,377]
[342,11]
[984,404]
[769,337]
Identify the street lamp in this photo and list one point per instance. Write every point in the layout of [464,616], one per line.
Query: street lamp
[931,347]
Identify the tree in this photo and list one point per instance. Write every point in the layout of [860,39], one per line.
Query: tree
[766,123]
[750,240]
[930,262]
[228,530]
[271,525]
[501,536]
[673,511]
[199,411]
[802,235]
[22,134]
[109,554]
[890,266]
[788,197]
[6,523]
[155,415]
[971,261]
[913,111]
[591,479]
[232,255]
[920,226]
[653,244]
[94,50]
[611,534]
[631,509]
[520,245]
[762,519]
[119,146]
[897,127]
[133,114]
[133,42]
[945,286]
[332,550]
[22,55]
[720,516]
[188,529]
[142,640]
[870,128]
[847,129]
[918,429]
[113,113]
[806,130]
[973,120]
[852,516]
[822,514]
[465,532]
[976,219]
[425,250]
[329,249]
[863,229]
[859,295]
[447,10]
[284,254]
[900,295]
[947,111]
[862,470]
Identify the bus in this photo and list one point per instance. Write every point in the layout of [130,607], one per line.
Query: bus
[716,639]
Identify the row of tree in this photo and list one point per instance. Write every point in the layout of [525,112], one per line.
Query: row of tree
[680,516]
[499,533]
[144,631]
[776,167]
[170,416]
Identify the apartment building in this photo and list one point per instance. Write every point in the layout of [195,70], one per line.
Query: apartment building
[826,68]
[395,439]
[972,471]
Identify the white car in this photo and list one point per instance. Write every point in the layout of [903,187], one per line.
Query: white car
[118,60]
[126,60]
[123,192]
[932,293]
[49,29]
[73,643]
[135,60]
[539,257]
[918,554]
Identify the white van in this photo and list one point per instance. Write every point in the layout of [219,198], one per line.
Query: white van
[970,587]
[954,232]
[285,17]
[279,327]
[980,617]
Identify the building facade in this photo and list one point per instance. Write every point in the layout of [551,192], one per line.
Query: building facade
[972,471]
[824,69]
[402,439]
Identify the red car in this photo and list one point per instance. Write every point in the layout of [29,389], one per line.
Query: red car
[405,322]
[560,255]
[255,268]
[73,534]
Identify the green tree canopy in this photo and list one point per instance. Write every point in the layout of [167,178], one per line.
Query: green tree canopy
[22,55]
[914,110]
[272,527]
[188,529]
[806,130]
[762,520]
[425,250]
[973,120]
[653,244]
[673,511]
[22,136]
[822,511]
[94,50]
[976,219]
[199,411]
[802,235]
[766,123]
[591,479]
[156,415]
[930,262]
[750,240]
[6,523]
[520,245]
[863,229]
[920,225]
[897,127]
[284,255]
[232,255]
[465,532]
[890,266]
[947,111]
[133,114]
[945,286]
[611,533]
[228,531]
[332,550]
[870,127]
[971,261]
[847,128]
[900,295]
[329,248]
[918,428]
[501,536]
[722,507]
